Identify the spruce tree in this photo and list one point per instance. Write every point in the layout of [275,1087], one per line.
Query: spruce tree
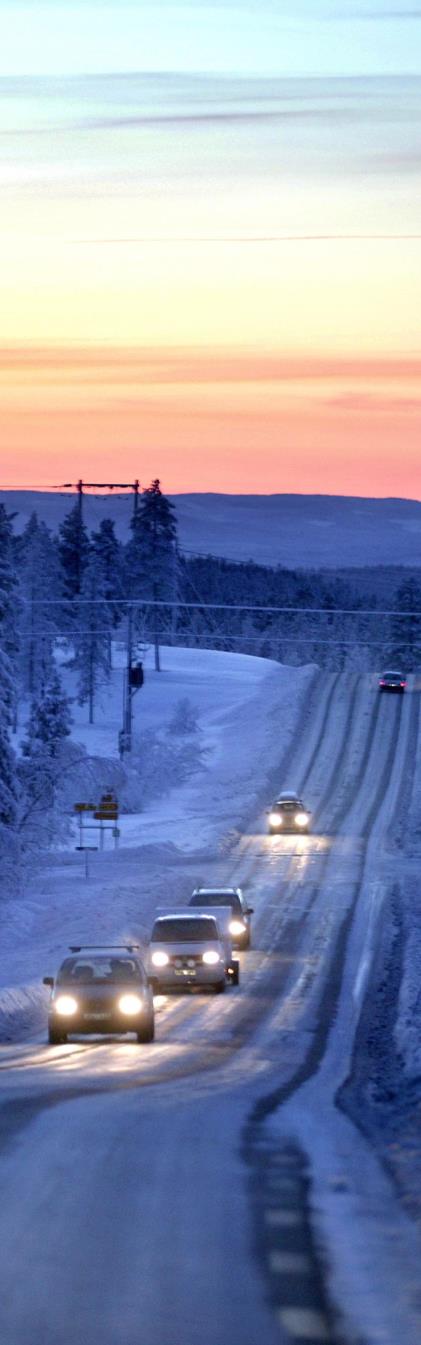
[406,626]
[151,553]
[49,722]
[74,552]
[109,552]
[92,639]
[8,649]
[39,578]
[44,766]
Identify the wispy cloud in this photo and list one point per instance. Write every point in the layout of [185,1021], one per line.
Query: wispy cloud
[164,365]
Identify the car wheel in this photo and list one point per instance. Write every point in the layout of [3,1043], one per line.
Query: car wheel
[147,1033]
[56,1038]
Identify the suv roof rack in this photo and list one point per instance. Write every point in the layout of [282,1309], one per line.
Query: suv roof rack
[79,947]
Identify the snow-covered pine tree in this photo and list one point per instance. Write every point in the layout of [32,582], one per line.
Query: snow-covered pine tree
[151,554]
[9,606]
[92,639]
[50,721]
[406,627]
[8,650]
[46,757]
[74,549]
[109,551]
[39,579]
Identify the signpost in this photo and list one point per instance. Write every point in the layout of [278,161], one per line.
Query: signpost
[106,811]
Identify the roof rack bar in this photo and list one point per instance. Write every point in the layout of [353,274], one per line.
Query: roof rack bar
[80,947]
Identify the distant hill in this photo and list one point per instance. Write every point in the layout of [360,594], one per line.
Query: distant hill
[297,531]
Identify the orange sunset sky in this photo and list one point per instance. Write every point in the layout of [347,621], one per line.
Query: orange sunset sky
[211,258]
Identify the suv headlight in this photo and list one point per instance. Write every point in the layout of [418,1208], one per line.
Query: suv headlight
[237,927]
[275,819]
[211,957]
[130,1004]
[160,959]
[301,819]
[65,1005]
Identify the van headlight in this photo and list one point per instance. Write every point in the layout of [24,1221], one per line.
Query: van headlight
[65,1005]
[301,819]
[160,959]
[275,819]
[130,1004]
[211,957]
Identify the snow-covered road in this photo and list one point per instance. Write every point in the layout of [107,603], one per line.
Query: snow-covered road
[212,1187]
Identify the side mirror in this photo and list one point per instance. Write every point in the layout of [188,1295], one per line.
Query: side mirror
[250,910]
[48,980]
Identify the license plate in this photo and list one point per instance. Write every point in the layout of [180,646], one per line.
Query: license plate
[95,1015]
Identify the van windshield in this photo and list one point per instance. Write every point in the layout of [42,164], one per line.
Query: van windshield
[185,930]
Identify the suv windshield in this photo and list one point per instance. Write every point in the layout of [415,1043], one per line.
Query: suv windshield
[84,970]
[217,899]
[185,930]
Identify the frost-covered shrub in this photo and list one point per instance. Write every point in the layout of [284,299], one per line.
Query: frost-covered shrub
[184,719]
[158,764]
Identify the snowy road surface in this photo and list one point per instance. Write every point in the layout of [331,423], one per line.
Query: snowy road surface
[213,1187]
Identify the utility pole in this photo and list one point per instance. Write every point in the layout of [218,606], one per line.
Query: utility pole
[130,685]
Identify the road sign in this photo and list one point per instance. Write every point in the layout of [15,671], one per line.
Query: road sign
[106,815]
[84,807]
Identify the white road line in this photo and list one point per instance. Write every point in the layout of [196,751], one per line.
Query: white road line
[290,1263]
[283,1218]
[303,1323]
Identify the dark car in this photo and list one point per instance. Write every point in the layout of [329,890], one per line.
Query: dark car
[241,911]
[392,681]
[288,813]
[100,990]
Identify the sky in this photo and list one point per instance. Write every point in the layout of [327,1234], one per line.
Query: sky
[211,241]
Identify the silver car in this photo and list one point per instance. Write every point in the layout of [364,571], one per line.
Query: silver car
[186,950]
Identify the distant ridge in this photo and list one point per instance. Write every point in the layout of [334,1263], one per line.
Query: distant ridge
[297,531]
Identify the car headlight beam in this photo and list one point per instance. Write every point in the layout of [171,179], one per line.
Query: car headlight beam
[237,927]
[210,957]
[275,819]
[301,819]
[160,959]
[66,1006]
[130,1004]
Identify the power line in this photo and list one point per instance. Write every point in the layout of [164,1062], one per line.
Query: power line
[227,638]
[222,607]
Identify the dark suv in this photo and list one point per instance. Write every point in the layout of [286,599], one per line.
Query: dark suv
[288,813]
[100,990]
[241,911]
[392,681]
